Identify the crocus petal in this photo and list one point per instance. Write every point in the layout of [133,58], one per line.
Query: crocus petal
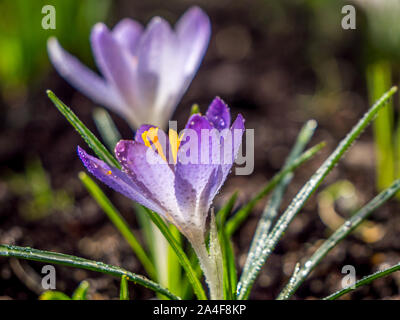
[81,77]
[146,71]
[117,66]
[218,114]
[153,43]
[194,204]
[193,30]
[117,180]
[158,178]
[159,76]
[198,172]
[186,196]
[140,131]
[198,123]
[209,192]
[236,132]
[190,42]
[238,126]
[128,32]
[162,139]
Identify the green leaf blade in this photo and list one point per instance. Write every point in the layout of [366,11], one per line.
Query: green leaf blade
[119,222]
[107,128]
[272,207]
[364,281]
[244,286]
[183,259]
[80,293]
[77,262]
[54,295]
[336,237]
[124,290]
[233,223]
[94,143]
[228,259]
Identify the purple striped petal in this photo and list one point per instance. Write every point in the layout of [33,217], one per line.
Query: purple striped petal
[208,194]
[158,72]
[238,126]
[146,71]
[194,204]
[197,123]
[81,77]
[117,66]
[218,114]
[194,30]
[186,196]
[118,181]
[139,132]
[236,134]
[197,173]
[157,178]
[128,33]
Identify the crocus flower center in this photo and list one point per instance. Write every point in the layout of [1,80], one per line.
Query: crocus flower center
[151,137]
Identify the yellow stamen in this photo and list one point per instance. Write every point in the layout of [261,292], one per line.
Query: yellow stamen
[109,172]
[151,136]
[174,142]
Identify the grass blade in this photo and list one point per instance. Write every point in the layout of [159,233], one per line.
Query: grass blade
[187,289]
[77,262]
[94,143]
[107,128]
[364,281]
[166,263]
[195,109]
[183,259]
[175,277]
[54,295]
[379,78]
[228,258]
[229,267]
[245,283]
[124,292]
[336,237]
[81,292]
[272,207]
[233,223]
[119,222]
[224,212]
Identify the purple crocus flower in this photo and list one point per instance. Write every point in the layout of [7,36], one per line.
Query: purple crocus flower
[145,71]
[180,191]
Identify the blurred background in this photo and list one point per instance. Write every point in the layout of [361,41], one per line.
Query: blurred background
[279,64]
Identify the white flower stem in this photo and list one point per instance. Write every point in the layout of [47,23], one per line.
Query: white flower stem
[211,266]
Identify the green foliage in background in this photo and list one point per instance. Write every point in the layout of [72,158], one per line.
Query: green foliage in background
[23,40]
[382,48]
[80,293]
[38,198]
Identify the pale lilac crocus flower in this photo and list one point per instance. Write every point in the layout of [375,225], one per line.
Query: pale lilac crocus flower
[145,71]
[181,192]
